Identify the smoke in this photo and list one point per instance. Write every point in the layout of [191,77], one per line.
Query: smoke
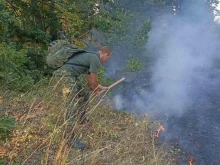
[185,81]
[184,50]
[184,87]
[185,46]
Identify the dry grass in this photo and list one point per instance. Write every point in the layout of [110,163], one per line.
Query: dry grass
[111,137]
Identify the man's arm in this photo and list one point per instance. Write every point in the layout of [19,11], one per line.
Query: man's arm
[92,79]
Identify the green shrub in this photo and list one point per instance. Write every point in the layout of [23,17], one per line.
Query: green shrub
[103,79]
[6,127]
[133,65]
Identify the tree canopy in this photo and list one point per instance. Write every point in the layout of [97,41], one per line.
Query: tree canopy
[27,26]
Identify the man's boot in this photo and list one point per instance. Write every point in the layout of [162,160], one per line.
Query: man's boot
[76,143]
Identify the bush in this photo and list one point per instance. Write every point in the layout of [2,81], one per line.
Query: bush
[6,127]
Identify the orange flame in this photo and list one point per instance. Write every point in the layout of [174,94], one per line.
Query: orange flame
[191,160]
[2,152]
[158,130]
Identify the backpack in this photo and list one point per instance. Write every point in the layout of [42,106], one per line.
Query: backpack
[61,51]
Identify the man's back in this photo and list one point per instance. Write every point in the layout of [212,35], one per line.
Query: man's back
[83,63]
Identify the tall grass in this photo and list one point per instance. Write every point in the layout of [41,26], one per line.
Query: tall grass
[111,137]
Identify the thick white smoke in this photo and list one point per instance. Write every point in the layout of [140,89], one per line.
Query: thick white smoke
[185,82]
[186,46]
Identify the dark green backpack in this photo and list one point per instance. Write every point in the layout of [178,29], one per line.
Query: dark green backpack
[61,51]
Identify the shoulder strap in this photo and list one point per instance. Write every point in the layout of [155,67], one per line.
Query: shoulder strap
[69,63]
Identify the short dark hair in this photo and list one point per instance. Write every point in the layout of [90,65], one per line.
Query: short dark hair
[105,49]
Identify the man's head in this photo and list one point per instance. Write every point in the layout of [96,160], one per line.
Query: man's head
[64,27]
[105,54]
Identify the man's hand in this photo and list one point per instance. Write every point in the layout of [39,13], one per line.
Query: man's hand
[97,88]
[103,88]
[98,93]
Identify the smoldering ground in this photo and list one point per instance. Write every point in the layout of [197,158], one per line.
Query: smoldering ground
[184,81]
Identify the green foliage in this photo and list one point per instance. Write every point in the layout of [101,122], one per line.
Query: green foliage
[160,2]
[36,35]
[133,65]
[35,65]
[121,30]
[2,161]
[142,34]
[104,20]
[21,84]
[31,23]
[6,127]
[20,69]
[3,21]
[103,80]
[26,28]
[11,61]
[129,33]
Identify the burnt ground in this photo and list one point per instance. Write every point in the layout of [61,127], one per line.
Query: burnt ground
[197,131]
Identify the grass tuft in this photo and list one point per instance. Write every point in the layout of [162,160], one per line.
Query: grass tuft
[111,137]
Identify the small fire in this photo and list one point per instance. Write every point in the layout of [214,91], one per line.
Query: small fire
[191,160]
[2,152]
[158,130]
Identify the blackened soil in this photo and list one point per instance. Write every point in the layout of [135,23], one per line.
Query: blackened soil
[197,131]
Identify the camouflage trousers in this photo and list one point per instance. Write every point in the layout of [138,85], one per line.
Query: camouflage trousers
[77,92]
